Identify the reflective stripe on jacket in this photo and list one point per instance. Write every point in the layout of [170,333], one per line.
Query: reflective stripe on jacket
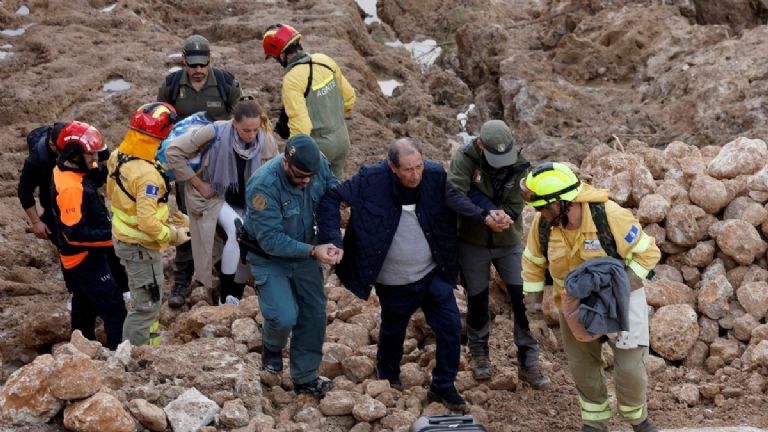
[81,216]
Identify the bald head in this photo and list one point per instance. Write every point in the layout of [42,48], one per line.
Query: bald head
[402,147]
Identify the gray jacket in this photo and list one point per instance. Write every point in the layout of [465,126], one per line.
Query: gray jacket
[602,285]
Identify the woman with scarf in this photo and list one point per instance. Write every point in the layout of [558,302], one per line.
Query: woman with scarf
[229,151]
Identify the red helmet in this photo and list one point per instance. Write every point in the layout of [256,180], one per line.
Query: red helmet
[277,38]
[88,137]
[154,119]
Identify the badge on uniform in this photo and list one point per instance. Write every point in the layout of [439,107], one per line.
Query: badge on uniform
[631,236]
[152,190]
[259,202]
[592,245]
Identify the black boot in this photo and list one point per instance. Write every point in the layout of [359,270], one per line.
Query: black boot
[178,297]
[227,289]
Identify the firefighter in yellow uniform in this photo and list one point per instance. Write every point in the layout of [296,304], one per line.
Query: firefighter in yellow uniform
[141,226]
[563,206]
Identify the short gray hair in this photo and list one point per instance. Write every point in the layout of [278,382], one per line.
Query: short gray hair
[404,146]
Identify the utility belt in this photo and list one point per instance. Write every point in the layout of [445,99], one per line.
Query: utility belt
[248,243]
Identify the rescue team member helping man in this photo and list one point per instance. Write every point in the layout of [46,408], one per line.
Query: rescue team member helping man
[315,94]
[579,216]
[402,238]
[230,152]
[489,171]
[140,223]
[197,87]
[84,232]
[282,198]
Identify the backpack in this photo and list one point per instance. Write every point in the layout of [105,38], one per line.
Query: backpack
[604,234]
[224,80]
[37,144]
[195,121]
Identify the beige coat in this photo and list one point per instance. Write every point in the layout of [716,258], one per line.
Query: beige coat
[203,213]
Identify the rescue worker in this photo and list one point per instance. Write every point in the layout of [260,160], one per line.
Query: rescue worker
[84,233]
[489,170]
[574,211]
[316,95]
[141,226]
[282,198]
[198,86]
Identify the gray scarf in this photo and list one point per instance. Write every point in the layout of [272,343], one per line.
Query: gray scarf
[222,166]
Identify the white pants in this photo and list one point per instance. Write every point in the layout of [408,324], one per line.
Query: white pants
[230,257]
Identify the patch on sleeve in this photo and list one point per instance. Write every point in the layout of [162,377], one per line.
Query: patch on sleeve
[259,202]
[631,236]
[152,190]
[592,245]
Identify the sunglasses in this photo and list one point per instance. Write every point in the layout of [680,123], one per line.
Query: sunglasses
[298,174]
[198,65]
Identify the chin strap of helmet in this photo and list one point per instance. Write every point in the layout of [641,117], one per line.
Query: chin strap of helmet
[562,217]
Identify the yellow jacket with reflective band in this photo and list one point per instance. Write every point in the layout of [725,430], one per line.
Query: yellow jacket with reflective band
[638,249]
[143,221]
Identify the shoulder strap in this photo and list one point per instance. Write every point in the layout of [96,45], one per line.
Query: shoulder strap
[607,242]
[309,80]
[544,229]
[224,80]
[172,83]
[123,158]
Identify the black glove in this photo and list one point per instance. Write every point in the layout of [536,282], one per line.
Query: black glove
[281,127]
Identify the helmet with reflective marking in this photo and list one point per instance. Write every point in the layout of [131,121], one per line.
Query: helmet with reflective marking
[154,119]
[87,137]
[550,182]
[277,38]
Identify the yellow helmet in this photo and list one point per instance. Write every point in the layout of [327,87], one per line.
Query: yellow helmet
[550,182]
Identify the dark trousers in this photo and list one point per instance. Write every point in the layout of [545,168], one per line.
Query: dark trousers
[434,295]
[183,264]
[95,293]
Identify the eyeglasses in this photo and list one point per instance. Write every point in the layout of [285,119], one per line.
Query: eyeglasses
[246,98]
[298,174]
[198,66]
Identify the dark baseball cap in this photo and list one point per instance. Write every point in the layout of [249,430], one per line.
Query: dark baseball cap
[302,152]
[500,147]
[196,50]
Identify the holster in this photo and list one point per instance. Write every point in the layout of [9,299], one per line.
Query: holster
[248,243]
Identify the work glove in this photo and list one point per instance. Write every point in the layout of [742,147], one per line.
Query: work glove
[179,219]
[179,235]
[281,127]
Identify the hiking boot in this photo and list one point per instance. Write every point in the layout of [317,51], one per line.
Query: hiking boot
[481,367]
[271,361]
[589,428]
[533,376]
[393,378]
[178,297]
[319,387]
[448,396]
[646,426]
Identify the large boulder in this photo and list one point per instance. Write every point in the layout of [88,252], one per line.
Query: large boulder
[740,240]
[674,331]
[100,412]
[25,399]
[740,156]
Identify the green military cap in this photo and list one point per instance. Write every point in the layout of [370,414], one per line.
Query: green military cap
[302,152]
